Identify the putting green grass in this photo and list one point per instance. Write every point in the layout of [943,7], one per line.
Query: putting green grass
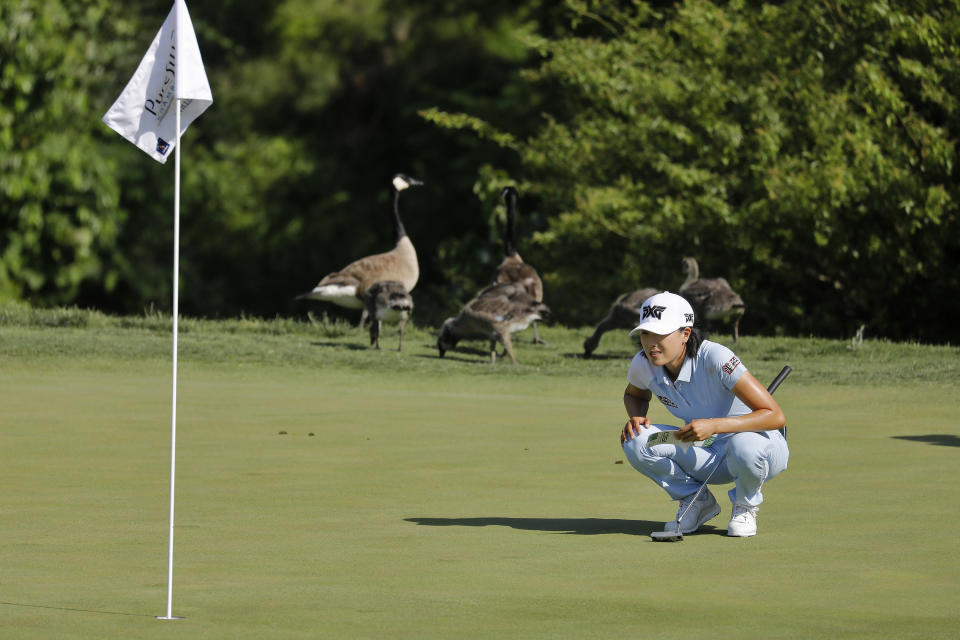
[319,500]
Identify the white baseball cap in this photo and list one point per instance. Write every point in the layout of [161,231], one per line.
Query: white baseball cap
[664,313]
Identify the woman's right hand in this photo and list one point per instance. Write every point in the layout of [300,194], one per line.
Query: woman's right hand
[632,429]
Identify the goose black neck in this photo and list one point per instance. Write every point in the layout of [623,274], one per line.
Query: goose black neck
[398,230]
[509,248]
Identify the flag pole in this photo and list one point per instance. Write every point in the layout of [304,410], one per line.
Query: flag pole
[171,74]
[176,318]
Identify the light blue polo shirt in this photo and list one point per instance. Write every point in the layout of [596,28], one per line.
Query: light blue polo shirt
[704,388]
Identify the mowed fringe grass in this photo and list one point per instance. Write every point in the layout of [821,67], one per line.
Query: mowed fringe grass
[317,340]
[328,490]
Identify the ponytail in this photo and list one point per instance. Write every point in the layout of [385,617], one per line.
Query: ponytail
[694,342]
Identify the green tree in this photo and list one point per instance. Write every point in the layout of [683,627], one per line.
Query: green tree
[805,151]
[59,196]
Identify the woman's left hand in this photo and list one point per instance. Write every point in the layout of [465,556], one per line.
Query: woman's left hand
[699,429]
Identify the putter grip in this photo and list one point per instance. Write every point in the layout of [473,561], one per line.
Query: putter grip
[780,378]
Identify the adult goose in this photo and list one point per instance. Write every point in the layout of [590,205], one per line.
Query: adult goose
[712,299]
[513,269]
[347,286]
[496,313]
[624,313]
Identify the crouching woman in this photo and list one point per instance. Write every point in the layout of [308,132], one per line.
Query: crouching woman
[723,406]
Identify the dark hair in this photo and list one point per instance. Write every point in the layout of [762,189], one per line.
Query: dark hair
[694,342]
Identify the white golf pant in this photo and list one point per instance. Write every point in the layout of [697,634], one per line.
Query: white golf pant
[747,459]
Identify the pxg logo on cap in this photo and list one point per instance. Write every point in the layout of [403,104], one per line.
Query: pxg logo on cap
[652,310]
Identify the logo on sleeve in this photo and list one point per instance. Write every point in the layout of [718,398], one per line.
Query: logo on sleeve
[731,365]
[667,401]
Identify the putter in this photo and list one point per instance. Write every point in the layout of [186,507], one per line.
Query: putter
[677,536]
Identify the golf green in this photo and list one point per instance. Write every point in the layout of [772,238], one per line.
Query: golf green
[335,503]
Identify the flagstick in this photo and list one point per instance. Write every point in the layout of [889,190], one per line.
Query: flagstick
[176,317]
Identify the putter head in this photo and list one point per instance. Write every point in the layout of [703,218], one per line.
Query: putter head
[666,536]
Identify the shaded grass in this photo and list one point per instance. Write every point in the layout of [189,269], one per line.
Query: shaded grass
[320,342]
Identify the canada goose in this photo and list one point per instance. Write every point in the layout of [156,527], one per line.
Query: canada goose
[624,313]
[347,286]
[495,313]
[711,298]
[387,300]
[513,268]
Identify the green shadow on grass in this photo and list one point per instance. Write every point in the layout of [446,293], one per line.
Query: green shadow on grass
[938,439]
[342,345]
[622,356]
[451,358]
[578,526]
[43,606]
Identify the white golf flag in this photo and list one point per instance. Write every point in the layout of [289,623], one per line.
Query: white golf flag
[171,69]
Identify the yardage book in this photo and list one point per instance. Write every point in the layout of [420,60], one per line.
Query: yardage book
[666,437]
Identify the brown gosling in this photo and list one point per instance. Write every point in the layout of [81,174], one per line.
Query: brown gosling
[712,299]
[388,301]
[495,313]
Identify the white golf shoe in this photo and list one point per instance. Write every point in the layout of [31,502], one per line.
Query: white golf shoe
[743,522]
[705,508]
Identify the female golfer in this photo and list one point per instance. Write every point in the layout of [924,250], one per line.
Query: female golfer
[705,385]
